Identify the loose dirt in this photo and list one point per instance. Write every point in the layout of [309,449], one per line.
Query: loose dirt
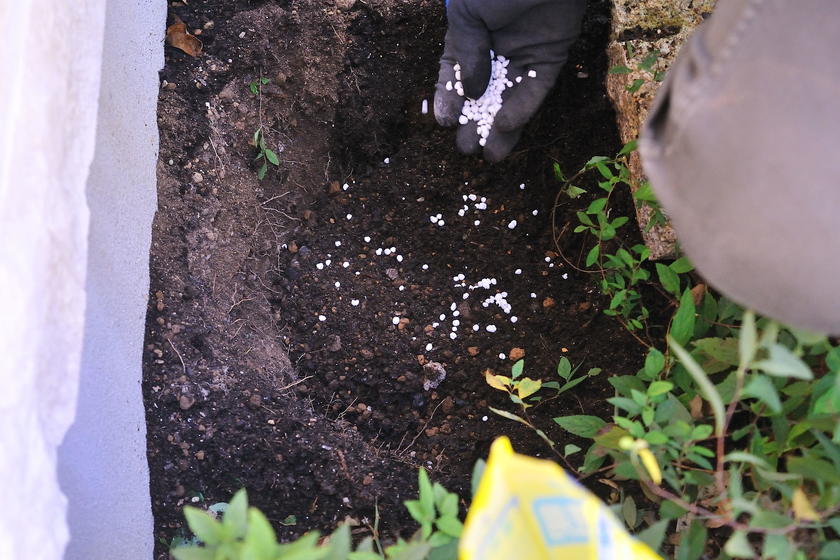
[286,340]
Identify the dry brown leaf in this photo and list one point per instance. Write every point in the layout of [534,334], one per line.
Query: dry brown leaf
[178,36]
[697,293]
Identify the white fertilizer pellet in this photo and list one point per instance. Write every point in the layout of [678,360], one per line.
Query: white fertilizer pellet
[442,317]
[532,73]
[320,266]
[354,302]
[535,212]
[322,318]
[565,276]
[533,295]
[387,160]
[453,335]
[425,267]
[453,307]
[424,107]
[345,264]
[502,356]
[513,318]
[491,328]
[338,243]
[518,271]
[522,186]
[349,216]
[338,284]
[345,186]
[477,222]
[429,347]
[465,296]
[379,251]
[367,239]
[402,288]
[512,224]
[395,320]
[328,262]
[484,109]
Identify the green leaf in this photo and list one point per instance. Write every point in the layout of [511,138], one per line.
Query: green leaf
[448,506]
[634,87]
[629,512]
[570,449]
[628,405]
[681,265]
[450,525]
[253,87]
[581,425]
[670,510]
[654,535]
[610,438]
[724,350]
[769,519]
[624,384]
[427,495]
[260,539]
[619,69]
[692,542]
[477,473]
[564,368]
[682,327]
[272,157]
[738,546]
[417,512]
[340,544]
[707,388]
[262,171]
[235,520]
[592,255]
[597,206]
[777,547]
[629,146]
[574,192]
[508,415]
[814,469]
[264,80]
[830,551]
[659,388]
[781,362]
[193,553]
[654,363]
[761,388]
[668,278]
[517,368]
[203,526]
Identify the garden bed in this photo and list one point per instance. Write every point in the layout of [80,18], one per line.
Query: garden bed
[290,318]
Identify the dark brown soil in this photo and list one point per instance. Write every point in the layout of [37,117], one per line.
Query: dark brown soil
[260,371]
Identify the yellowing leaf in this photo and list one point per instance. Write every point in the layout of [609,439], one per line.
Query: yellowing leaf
[651,465]
[499,382]
[527,387]
[802,508]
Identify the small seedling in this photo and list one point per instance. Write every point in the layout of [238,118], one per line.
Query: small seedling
[265,154]
[256,85]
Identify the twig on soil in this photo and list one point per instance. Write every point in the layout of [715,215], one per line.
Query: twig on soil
[423,429]
[183,365]
[275,198]
[298,382]
[236,304]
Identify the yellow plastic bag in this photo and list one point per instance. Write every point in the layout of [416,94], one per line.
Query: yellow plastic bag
[530,509]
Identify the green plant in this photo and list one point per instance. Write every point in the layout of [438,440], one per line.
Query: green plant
[645,68]
[737,431]
[244,533]
[265,155]
[523,392]
[622,268]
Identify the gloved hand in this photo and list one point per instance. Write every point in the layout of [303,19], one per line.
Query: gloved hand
[535,35]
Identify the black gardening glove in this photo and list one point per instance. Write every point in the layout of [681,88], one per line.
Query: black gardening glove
[535,35]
